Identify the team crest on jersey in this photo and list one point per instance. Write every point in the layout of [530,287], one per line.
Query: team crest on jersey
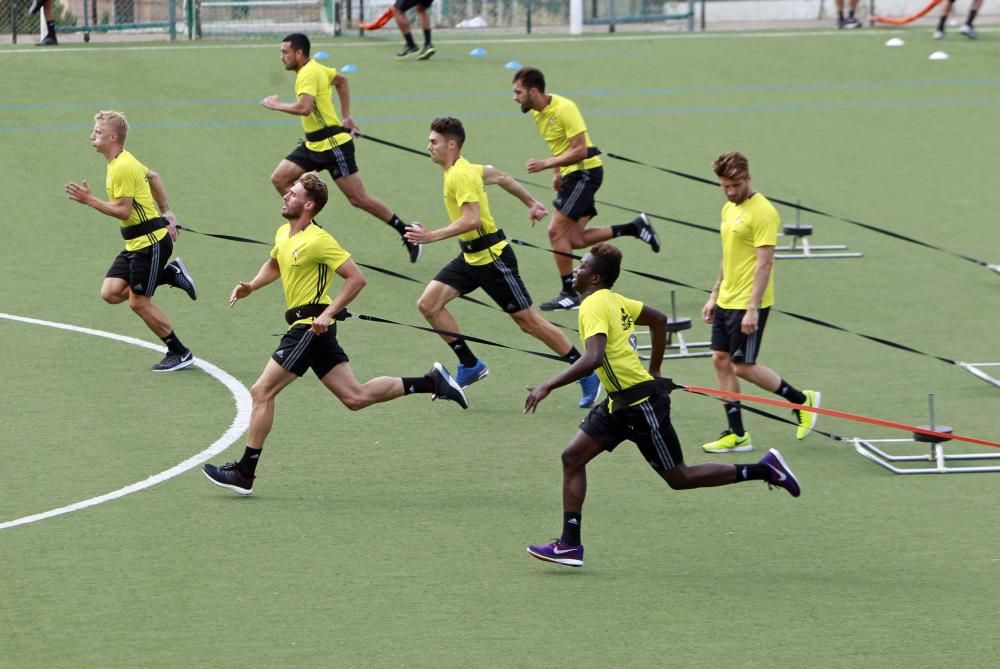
[633,342]
[626,320]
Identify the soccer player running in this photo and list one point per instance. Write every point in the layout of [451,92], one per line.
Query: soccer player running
[410,48]
[638,407]
[329,143]
[305,258]
[138,199]
[741,300]
[487,261]
[578,173]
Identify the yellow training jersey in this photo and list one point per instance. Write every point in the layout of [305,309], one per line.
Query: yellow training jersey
[316,79]
[308,261]
[611,314]
[745,227]
[463,183]
[127,178]
[558,122]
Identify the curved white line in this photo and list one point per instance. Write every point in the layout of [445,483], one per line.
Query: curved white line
[239,425]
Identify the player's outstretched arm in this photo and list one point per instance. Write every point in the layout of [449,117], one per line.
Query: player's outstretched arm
[268,273]
[119,209]
[536,210]
[584,366]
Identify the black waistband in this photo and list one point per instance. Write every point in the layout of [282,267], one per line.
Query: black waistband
[325,133]
[482,243]
[144,228]
[640,391]
[312,311]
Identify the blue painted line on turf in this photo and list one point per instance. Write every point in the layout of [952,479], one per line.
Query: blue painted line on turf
[647,111]
[446,95]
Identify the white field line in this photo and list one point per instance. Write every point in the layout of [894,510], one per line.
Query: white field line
[239,425]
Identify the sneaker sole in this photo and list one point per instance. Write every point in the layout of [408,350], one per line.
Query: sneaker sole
[426,57]
[788,471]
[183,365]
[420,252]
[546,307]
[236,489]
[812,415]
[190,279]
[745,448]
[566,562]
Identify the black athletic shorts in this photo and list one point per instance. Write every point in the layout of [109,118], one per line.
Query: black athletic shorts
[500,279]
[300,350]
[339,160]
[403,5]
[143,268]
[726,334]
[575,198]
[646,424]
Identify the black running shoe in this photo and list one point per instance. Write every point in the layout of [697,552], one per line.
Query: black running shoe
[228,476]
[407,52]
[173,361]
[647,233]
[426,52]
[183,278]
[562,301]
[414,250]
[445,387]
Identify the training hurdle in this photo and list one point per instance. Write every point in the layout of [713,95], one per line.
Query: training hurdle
[974,367]
[936,455]
[675,328]
[801,248]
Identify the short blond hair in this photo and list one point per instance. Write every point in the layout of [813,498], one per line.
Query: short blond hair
[114,120]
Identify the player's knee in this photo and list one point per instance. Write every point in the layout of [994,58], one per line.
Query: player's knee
[678,478]
[571,460]
[722,361]
[427,307]
[355,402]
[743,370]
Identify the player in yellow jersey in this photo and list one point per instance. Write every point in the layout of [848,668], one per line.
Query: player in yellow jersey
[638,406]
[305,257]
[410,49]
[486,260]
[741,300]
[577,174]
[329,143]
[137,198]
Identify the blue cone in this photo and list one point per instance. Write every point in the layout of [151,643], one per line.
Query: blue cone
[513,65]
[321,54]
[347,69]
[477,52]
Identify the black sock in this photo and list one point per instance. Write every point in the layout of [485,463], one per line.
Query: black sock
[51,25]
[850,14]
[972,17]
[174,344]
[248,463]
[567,284]
[754,472]
[409,40]
[397,224]
[625,229]
[417,384]
[572,356]
[734,414]
[464,353]
[840,15]
[571,528]
[787,391]
[427,37]
[941,23]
